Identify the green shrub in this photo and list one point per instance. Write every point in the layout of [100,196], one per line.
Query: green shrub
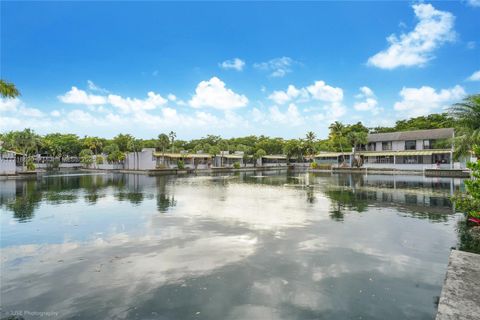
[86,157]
[99,159]
[181,164]
[469,201]
[236,165]
[30,165]
[55,164]
[314,165]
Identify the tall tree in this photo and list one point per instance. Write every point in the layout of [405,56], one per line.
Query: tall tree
[172,136]
[123,141]
[135,146]
[93,143]
[8,90]
[26,142]
[259,154]
[467,117]
[163,142]
[310,139]
[337,135]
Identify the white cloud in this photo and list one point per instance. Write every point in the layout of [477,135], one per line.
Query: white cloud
[474,3]
[416,48]
[77,96]
[277,67]
[425,100]
[233,64]
[332,112]
[128,105]
[475,76]
[369,102]
[93,87]
[9,104]
[319,90]
[172,97]
[55,113]
[17,107]
[323,92]
[282,97]
[290,117]
[214,94]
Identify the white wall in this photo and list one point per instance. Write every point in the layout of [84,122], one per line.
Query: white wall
[7,166]
[7,163]
[143,160]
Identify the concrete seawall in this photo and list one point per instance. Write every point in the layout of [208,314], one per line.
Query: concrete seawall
[460,298]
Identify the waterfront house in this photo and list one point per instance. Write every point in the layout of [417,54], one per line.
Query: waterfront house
[404,150]
[190,160]
[226,159]
[143,160]
[273,160]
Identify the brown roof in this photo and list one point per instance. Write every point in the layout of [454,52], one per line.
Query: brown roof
[412,135]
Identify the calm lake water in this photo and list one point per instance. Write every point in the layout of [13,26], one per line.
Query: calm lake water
[273,245]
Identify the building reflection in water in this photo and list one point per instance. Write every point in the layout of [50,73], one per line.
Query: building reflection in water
[413,195]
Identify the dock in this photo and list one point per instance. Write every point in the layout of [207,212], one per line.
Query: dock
[460,298]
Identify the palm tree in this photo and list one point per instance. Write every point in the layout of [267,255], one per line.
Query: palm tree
[172,136]
[163,142]
[8,90]
[336,131]
[467,119]
[310,138]
[258,155]
[135,145]
[357,138]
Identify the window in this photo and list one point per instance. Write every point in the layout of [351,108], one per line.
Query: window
[410,159]
[371,146]
[387,145]
[428,144]
[410,145]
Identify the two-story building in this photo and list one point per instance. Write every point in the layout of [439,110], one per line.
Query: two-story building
[404,150]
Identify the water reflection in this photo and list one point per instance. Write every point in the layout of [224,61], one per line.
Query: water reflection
[250,245]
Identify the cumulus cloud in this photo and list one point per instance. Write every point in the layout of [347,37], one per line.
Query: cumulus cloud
[475,76]
[18,107]
[323,92]
[233,64]
[278,67]
[128,105]
[125,105]
[425,100]
[369,101]
[331,97]
[77,96]
[290,117]
[214,94]
[282,97]
[416,48]
[319,90]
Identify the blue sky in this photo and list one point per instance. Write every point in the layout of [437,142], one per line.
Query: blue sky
[234,69]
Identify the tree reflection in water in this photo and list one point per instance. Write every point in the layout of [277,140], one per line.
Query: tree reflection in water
[354,192]
[28,194]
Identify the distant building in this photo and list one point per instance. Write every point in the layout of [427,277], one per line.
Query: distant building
[143,160]
[405,150]
[8,163]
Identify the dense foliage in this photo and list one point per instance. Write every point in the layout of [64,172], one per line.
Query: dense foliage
[432,121]
[341,138]
[469,202]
